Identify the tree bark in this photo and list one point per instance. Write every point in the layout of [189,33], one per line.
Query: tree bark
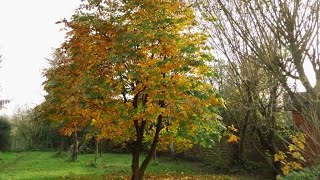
[135,163]
[136,150]
[97,151]
[74,155]
[152,150]
[139,171]
[100,149]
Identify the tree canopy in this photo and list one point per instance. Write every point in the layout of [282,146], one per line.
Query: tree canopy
[136,71]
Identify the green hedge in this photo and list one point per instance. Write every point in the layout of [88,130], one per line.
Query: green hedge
[305,174]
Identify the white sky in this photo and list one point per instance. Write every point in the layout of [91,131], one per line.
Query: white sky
[28,35]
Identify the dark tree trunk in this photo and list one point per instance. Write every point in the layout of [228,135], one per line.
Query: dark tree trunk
[62,145]
[238,148]
[155,157]
[267,142]
[74,155]
[135,163]
[152,150]
[139,171]
[100,148]
[82,140]
[137,145]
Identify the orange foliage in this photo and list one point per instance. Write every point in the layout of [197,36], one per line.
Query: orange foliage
[137,72]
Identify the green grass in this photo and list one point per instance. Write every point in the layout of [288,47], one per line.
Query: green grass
[45,165]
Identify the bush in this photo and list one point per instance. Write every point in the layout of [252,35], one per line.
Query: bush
[31,132]
[5,129]
[307,173]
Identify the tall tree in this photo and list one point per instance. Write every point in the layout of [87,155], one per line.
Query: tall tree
[136,68]
[62,106]
[281,37]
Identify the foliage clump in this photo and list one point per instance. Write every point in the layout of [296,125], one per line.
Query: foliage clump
[5,129]
[312,173]
[292,159]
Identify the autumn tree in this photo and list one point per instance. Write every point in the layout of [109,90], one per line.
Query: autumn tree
[62,106]
[137,69]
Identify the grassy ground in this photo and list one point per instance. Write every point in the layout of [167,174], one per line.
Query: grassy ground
[45,165]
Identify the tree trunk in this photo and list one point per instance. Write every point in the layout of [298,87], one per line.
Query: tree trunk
[155,157]
[100,149]
[171,149]
[139,171]
[238,148]
[152,150]
[135,163]
[269,145]
[97,151]
[61,148]
[136,150]
[74,155]
[82,140]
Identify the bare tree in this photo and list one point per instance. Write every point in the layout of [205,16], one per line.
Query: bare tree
[279,36]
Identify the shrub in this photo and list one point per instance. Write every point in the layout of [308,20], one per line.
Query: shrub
[307,173]
[5,128]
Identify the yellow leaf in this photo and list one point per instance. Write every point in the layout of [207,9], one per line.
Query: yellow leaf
[233,139]
[93,122]
[296,166]
[285,169]
[297,155]
[280,156]
[300,145]
[292,148]
[232,128]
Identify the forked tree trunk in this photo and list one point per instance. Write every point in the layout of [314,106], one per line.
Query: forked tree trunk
[139,171]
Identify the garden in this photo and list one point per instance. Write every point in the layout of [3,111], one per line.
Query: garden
[179,89]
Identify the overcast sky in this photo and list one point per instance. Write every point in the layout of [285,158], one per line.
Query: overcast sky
[28,35]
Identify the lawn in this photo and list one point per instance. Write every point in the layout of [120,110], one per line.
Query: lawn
[45,165]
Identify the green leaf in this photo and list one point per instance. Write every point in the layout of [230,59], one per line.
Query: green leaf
[82,104]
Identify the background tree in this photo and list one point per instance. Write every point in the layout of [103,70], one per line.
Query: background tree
[23,130]
[280,37]
[261,40]
[30,132]
[63,106]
